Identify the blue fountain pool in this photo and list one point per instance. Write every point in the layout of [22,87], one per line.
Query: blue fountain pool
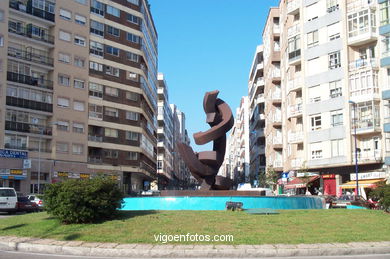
[218,203]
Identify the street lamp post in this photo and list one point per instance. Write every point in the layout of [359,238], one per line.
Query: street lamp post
[356,157]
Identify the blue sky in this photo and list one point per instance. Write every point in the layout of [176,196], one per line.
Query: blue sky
[206,45]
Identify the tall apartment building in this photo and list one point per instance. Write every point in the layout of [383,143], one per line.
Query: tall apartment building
[321,60]
[78,92]
[238,155]
[256,88]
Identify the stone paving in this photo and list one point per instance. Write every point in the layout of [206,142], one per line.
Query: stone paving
[80,248]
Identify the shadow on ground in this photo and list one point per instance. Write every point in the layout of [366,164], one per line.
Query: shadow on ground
[14,226]
[123,215]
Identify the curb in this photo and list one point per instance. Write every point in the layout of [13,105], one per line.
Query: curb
[80,248]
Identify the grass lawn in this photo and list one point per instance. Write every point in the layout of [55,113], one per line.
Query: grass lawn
[288,227]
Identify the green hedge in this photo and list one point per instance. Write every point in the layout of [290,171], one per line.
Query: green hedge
[383,193]
[83,201]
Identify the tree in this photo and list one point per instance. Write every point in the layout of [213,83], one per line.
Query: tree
[306,177]
[271,177]
[383,193]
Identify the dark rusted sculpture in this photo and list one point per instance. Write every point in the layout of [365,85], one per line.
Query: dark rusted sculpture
[204,166]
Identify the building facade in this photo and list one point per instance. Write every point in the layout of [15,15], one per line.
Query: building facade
[78,92]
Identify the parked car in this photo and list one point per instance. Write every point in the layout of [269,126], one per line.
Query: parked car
[25,205]
[34,198]
[345,200]
[8,200]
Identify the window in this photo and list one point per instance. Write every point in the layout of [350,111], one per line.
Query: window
[79,84]
[77,149]
[335,89]
[96,48]
[111,112]
[294,47]
[113,31]
[132,155]
[334,60]
[135,2]
[132,96]
[316,154]
[336,118]
[130,135]
[334,31]
[312,66]
[95,90]
[332,5]
[62,147]
[97,7]
[79,62]
[63,125]
[78,127]
[84,2]
[132,76]
[95,111]
[312,11]
[112,133]
[315,122]
[312,39]
[95,66]
[64,14]
[133,18]
[1,15]
[134,116]
[109,153]
[65,36]
[79,19]
[360,22]
[337,147]
[97,28]
[131,37]
[65,58]
[113,71]
[1,40]
[315,94]
[384,12]
[112,91]
[112,51]
[78,40]
[78,106]
[132,57]
[64,80]
[113,11]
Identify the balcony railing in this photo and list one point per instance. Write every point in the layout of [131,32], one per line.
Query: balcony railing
[294,110]
[277,95]
[294,55]
[357,5]
[370,155]
[26,7]
[294,84]
[150,169]
[296,136]
[27,32]
[363,63]
[95,138]
[293,5]
[29,104]
[277,140]
[28,128]
[297,162]
[29,80]
[366,124]
[30,56]
[293,30]
[277,118]
[95,160]
[371,91]
[278,163]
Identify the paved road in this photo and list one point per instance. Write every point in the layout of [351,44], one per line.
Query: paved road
[20,255]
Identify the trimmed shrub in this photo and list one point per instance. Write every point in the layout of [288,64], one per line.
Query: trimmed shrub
[383,193]
[83,201]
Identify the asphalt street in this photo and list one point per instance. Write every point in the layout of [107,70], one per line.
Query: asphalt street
[22,255]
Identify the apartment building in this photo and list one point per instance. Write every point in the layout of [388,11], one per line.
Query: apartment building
[256,88]
[78,92]
[237,158]
[323,81]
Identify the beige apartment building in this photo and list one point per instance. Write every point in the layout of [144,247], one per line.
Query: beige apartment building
[78,91]
[325,67]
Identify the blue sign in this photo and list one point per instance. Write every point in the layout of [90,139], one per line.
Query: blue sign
[13,154]
[285,175]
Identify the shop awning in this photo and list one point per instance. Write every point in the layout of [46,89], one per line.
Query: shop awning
[362,183]
[299,183]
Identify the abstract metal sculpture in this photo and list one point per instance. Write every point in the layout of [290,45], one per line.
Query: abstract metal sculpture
[204,166]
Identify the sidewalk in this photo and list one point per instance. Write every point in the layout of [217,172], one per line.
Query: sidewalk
[50,246]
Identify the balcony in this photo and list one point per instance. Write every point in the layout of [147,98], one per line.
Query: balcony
[368,156]
[370,63]
[276,28]
[277,118]
[275,73]
[296,163]
[28,32]
[294,110]
[365,94]
[294,84]
[366,126]
[95,160]
[359,5]
[295,137]
[260,99]
[160,130]
[293,30]
[26,7]
[95,138]
[28,128]
[362,25]
[148,168]
[160,90]
[293,7]
[294,57]
[29,80]
[30,55]
[278,164]
[29,104]
[276,96]
[277,142]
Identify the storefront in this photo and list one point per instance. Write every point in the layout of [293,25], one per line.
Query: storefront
[329,184]
[298,185]
[366,182]
[13,169]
